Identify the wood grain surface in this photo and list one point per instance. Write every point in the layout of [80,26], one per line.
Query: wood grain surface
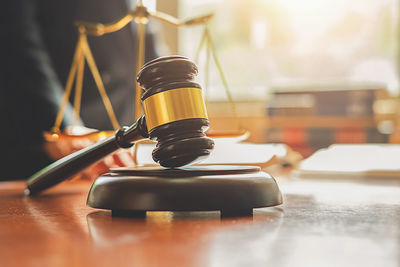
[320,224]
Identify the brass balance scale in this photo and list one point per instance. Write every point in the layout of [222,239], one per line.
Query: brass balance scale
[140,15]
[234,190]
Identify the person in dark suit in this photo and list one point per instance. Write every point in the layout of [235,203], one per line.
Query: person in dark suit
[36,48]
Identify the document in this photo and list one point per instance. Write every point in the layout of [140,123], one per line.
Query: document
[352,161]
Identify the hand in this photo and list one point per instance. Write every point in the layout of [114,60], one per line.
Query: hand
[120,158]
[66,145]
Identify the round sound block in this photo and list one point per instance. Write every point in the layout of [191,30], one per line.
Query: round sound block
[234,190]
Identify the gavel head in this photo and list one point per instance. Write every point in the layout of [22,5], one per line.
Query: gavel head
[175,112]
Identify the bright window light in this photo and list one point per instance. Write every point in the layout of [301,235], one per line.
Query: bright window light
[263,44]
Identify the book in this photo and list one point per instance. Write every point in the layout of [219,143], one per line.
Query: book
[329,102]
[307,140]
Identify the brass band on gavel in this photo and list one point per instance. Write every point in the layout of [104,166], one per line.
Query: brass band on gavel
[174,105]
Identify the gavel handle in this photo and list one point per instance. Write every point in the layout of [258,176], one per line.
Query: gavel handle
[72,164]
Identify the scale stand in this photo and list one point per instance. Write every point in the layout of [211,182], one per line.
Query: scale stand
[233,190]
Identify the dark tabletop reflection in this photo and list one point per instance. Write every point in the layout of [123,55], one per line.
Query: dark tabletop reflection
[169,234]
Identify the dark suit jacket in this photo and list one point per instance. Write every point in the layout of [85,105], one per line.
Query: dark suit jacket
[38,38]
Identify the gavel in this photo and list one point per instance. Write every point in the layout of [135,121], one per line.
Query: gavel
[174,116]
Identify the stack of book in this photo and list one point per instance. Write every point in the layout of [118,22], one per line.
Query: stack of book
[310,120]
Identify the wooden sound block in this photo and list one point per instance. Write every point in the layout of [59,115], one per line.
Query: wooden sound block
[234,190]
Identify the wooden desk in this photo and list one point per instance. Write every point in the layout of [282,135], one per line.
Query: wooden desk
[319,224]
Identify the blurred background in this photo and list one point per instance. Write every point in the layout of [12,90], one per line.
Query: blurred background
[308,73]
